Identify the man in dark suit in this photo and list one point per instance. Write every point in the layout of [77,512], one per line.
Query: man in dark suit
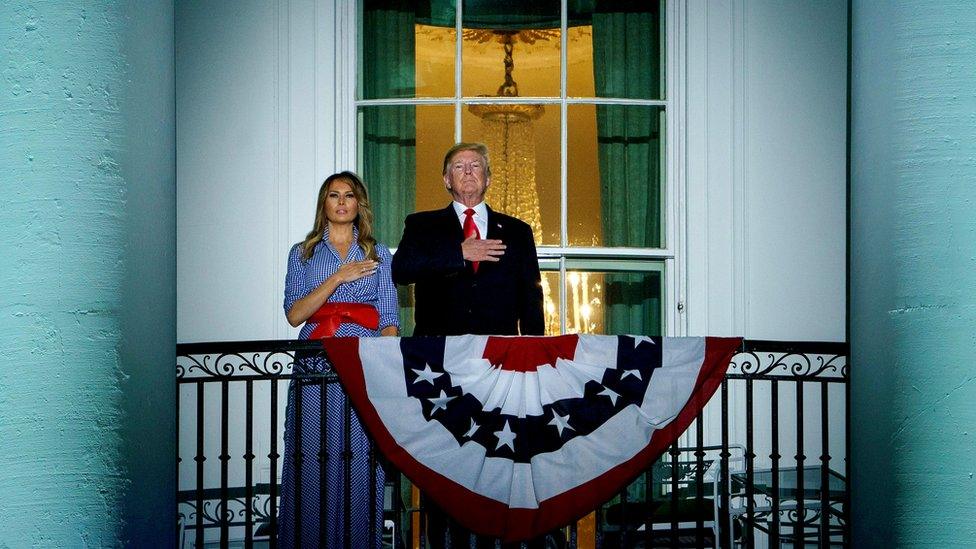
[475,270]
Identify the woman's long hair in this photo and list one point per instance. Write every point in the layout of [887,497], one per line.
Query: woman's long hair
[363,221]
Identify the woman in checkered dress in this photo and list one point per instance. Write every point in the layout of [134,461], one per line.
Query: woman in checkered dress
[338,284]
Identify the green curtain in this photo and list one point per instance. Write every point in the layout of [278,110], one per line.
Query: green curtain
[626,64]
[389,145]
[389,132]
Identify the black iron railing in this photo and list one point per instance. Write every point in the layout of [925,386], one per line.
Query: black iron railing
[740,476]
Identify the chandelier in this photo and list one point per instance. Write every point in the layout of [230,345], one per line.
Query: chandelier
[508,131]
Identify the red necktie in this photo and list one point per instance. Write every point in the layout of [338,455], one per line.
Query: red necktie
[470,229]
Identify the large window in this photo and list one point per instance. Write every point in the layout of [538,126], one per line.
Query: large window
[571,100]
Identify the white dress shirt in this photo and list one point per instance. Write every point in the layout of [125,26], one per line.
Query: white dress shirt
[480,216]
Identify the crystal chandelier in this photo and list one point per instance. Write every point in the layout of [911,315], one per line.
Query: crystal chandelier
[509,135]
[508,132]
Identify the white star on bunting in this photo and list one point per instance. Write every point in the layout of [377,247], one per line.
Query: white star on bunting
[609,393]
[426,374]
[505,437]
[640,339]
[440,403]
[472,430]
[628,373]
[560,422]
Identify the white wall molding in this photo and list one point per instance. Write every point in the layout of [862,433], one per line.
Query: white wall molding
[695,205]
[709,158]
[282,207]
[740,170]
[676,18]
[346,48]
[765,210]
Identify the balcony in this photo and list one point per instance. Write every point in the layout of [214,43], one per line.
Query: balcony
[763,465]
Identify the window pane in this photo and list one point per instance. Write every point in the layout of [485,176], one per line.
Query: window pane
[626,54]
[435,61]
[608,302]
[435,135]
[523,145]
[510,48]
[407,49]
[615,175]
[550,300]
[402,147]
[579,62]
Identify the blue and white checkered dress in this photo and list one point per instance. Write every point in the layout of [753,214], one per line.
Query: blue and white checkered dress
[377,290]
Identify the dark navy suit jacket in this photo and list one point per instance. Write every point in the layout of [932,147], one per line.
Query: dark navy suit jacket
[502,298]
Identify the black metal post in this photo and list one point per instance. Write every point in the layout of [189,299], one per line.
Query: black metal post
[723,495]
[749,464]
[799,526]
[200,458]
[297,455]
[774,456]
[273,456]
[224,512]
[675,472]
[700,479]
[248,463]
[824,469]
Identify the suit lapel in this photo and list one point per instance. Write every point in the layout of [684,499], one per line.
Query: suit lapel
[495,229]
[450,224]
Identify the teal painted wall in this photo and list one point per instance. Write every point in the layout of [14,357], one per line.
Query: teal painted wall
[913,273]
[87,273]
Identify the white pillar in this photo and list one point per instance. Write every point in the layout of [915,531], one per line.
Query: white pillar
[913,273]
[87,317]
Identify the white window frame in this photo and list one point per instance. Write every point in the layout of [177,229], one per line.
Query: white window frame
[673,255]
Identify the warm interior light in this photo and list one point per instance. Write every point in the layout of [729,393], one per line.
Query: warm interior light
[509,134]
